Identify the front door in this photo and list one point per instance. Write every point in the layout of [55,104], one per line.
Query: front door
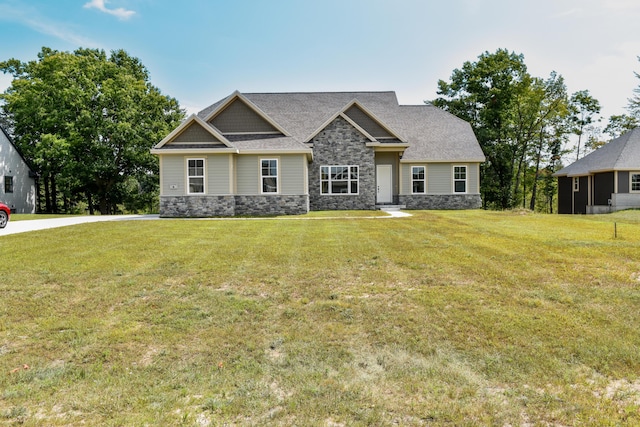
[384,182]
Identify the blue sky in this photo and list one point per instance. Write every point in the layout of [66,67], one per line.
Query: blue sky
[199,51]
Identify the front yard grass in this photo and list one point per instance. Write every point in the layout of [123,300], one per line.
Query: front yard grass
[445,318]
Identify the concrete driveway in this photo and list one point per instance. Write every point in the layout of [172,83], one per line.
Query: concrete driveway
[15,227]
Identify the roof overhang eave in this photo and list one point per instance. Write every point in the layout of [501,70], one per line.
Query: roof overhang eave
[158,151]
[427,160]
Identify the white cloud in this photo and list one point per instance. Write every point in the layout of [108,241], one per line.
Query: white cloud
[120,12]
[31,18]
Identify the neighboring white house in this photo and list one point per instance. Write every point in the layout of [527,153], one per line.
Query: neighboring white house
[17,180]
[288,153]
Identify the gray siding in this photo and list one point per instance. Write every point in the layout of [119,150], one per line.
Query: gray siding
[217,170]
[239,117]
[291,170]
[292,173]
[473,176]
[247,175]
[173,174]
[195,133]
[439,178]
[367,123]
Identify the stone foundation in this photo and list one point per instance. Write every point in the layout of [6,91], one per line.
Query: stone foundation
[216,206]
[440,201]
[272,205]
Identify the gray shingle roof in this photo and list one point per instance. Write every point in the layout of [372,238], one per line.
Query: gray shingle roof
[622,153]
[432,134]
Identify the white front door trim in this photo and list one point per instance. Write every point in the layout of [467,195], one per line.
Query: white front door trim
[384,184]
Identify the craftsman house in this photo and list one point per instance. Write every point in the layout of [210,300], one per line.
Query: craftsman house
[605,180]
[17,180]
[288,153]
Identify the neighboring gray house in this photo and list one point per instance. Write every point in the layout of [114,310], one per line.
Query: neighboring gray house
[605,180]
[17,180]
[288,153]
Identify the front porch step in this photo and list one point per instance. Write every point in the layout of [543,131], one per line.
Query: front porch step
[390,207]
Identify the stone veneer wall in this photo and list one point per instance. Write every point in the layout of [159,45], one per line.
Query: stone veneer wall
[272,205]
[342,144]
[212,206]
[441,201]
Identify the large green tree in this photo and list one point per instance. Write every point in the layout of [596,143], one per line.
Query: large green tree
[519,120]
[484,93]
[88,120]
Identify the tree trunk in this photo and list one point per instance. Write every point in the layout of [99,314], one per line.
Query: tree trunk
[47,195]
[535,175]
[54,194]
[90,202]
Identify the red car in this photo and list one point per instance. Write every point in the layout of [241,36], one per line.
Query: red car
[4,215]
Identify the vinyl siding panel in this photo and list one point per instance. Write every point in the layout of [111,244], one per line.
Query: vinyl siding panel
[239,117]
[292,174]
[195,133]
[248,175]
[439,178]
[217,170]
[367,123]
[172,174]
[473,176]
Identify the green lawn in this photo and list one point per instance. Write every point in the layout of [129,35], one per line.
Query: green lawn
[445,318]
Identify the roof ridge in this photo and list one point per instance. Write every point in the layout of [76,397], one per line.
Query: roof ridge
[318,92]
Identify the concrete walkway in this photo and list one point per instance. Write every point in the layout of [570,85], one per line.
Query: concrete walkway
[24,226]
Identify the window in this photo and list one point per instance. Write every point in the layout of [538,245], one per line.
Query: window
[418,182]
[339,179]
[8,184]
[195,176]
[269,175]
[576,183]
[635,181]
[459,179]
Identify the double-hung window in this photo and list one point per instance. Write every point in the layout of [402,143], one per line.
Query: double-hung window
[195,176]
[269,175]
[459,179]
[418,180]
[8,184]
[339,179]
[635,182]
[576,183]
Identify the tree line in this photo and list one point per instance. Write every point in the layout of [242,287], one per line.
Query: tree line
[86,121]
[524,124]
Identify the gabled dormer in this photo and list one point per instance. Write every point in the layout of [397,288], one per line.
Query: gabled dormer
[378,133]
[239,116]
[194,134]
